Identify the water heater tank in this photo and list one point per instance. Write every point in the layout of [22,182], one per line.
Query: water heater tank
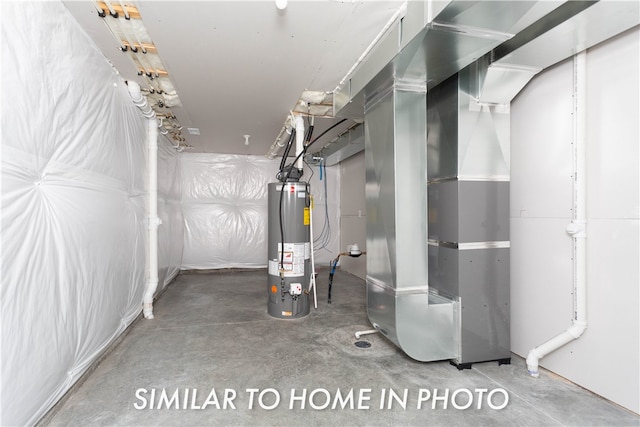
[289,250]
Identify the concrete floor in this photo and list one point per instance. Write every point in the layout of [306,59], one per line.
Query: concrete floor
[212,334]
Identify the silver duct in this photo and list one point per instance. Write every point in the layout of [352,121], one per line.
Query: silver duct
[424,321]
[468,198]
[435,39]
[435,95]
[399,302]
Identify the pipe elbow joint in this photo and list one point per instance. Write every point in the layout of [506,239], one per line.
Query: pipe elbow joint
[147,311]
[134,89]
[532,364]
[577,329]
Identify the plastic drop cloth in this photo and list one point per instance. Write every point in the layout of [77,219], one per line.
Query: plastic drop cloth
[224,201]
[170,232]
[73,221]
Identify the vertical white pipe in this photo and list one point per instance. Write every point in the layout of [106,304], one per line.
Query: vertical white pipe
[312,280]
[577,228]
[139,100]
[580,204]
[153,220]
[279,142]
[299,140]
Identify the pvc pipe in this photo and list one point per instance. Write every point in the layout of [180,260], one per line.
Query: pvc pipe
[312,281]
[367,332]
[299,141]
[139,100]
[153,221]
[124,10]
[279,142]
[577,228]
[112,11]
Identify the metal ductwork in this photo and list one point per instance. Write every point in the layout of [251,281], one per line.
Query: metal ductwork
[424,321]
[435,94]
[340,148]
[468,221]
[428,41]
[399,302]
[434,40]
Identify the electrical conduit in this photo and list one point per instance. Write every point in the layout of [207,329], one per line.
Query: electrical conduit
[153,221]
[577,228]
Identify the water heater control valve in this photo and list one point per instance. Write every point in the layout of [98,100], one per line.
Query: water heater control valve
[295,289]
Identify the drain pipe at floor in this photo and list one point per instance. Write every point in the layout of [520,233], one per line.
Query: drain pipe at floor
[153,221]
[577,228]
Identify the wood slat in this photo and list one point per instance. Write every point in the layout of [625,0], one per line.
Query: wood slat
[149,47]
[132,10]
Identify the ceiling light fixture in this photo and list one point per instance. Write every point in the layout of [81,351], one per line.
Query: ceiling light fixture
[281,4]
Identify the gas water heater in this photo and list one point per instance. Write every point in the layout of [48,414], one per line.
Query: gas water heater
[289,249]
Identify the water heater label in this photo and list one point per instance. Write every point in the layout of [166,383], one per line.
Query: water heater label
[307,216]
[292,259]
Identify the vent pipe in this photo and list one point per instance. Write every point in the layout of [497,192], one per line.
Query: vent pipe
[153,221]
[577,227]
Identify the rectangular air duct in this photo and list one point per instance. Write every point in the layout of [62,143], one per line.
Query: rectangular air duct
[468,198]
[423,320]
[437,141]
[399,302]
[434,40]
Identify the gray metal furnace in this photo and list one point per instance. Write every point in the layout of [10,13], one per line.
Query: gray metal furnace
[435,95]
[289,262]
[437,180]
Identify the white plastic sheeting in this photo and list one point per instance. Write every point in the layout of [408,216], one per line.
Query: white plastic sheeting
[224,200]
[72,207]
[171,230]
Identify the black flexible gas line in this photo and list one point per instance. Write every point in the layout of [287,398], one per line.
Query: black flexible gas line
[287,148]
[282,162]
[306,147]
[309,133]
[334,264]
[281,233]
[288,172]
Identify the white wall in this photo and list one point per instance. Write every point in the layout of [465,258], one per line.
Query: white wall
[353,215]
[224,201]
[73,174]
[326,216]
[606,358]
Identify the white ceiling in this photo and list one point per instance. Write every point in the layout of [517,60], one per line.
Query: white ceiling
[240,66]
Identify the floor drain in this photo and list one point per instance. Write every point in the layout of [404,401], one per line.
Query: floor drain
[363,344]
